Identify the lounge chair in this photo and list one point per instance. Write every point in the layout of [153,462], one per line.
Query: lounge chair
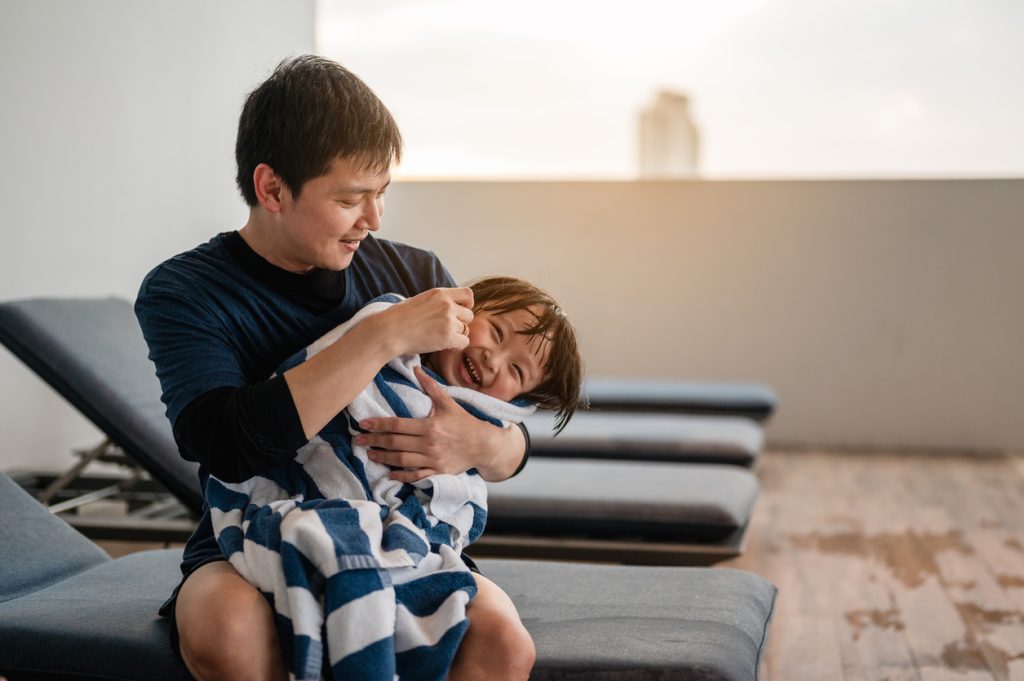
[67,611]
[93,353]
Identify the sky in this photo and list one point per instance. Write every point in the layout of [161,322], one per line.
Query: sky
[778,88]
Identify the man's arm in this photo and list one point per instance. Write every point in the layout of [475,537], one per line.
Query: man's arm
[326,383]
[237,433]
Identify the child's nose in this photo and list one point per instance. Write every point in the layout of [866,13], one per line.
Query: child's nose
[489,360]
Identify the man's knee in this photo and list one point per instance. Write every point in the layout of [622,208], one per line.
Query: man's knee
[226,628]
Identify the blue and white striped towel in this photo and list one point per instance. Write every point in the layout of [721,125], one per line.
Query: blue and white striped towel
[351,560]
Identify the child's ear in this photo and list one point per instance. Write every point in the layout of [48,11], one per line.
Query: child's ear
[269,186]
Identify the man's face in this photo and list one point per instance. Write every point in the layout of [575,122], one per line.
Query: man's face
[498,361]
[324,226]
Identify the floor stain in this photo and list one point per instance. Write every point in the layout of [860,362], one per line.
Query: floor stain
[969,655]
[859,620]
[989,617]
[890,549]
[1010,581]
[963,655]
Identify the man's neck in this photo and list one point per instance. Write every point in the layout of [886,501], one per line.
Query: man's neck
[262,235]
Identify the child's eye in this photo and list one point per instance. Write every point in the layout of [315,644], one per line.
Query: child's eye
[519,372]
[497,332]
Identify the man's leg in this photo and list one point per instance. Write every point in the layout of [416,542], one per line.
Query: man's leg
[496,645]
[226,628]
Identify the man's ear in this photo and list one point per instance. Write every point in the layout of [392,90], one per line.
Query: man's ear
[270,188]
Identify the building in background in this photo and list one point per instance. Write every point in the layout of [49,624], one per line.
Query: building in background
[669,141]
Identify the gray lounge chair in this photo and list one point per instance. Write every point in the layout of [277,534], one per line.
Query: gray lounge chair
[67,611]
[93,353]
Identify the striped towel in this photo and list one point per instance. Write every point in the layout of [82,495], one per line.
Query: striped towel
[368,567]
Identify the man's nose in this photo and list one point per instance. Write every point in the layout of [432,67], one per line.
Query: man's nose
[370,219]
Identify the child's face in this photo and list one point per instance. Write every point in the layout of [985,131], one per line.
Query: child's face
[498,361]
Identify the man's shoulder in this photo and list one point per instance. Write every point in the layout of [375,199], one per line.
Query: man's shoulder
[399,267]
[396,251]
[208,257]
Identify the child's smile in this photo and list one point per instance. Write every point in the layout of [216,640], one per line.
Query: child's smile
[499,361]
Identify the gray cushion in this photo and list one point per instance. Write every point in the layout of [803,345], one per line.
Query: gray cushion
[609,498]
[92,352]
[648,437]
[100,623]
[615,623]
[752,400]
[66,607]
[38,549]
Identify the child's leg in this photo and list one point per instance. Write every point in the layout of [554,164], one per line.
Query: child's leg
[497,645]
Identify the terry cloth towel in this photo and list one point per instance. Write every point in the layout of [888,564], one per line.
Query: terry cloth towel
[367,566]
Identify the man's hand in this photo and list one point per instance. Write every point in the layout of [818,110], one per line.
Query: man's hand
[450,440]
[433,320]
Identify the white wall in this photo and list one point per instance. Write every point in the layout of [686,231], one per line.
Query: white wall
[885,313]
[117,136]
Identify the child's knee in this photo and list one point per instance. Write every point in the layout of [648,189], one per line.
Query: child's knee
[503,643]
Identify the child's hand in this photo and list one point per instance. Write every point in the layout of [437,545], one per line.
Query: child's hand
[450,440]
[433,320]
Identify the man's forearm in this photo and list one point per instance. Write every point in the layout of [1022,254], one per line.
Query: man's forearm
[328,382]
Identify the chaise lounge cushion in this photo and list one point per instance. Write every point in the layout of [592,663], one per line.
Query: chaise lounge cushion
[648,437]
[752,400]
[678,502]
[605,622]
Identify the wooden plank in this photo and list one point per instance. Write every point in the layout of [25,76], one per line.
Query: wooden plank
[991,608]
[890,566]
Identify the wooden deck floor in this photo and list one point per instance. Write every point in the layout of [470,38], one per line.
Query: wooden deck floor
[891,567]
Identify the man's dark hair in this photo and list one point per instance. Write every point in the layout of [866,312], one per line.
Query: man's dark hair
[309,112]
[559,390]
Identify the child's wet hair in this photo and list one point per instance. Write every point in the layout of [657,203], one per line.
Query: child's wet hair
[563,371]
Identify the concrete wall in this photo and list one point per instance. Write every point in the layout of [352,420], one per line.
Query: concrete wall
[885,313]
[117,137]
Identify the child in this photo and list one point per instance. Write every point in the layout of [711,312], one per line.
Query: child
[375,564]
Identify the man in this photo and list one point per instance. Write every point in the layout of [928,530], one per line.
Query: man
[314,152]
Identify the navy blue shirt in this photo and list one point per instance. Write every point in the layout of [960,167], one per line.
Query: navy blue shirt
[214,318]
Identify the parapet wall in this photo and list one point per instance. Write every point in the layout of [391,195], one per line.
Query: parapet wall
[885,313]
